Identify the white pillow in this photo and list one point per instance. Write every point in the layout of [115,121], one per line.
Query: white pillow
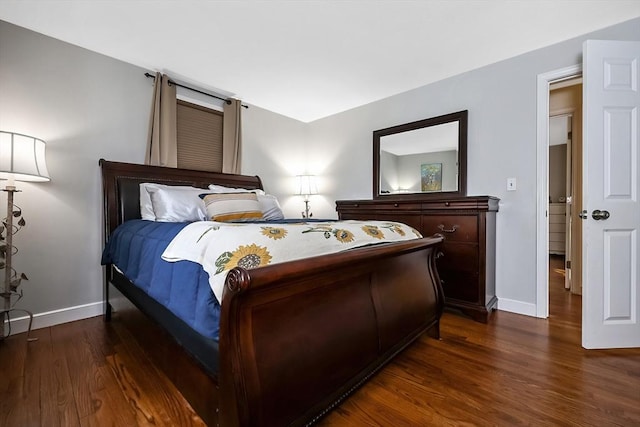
[146,207]
[271,209]
[222,189]
[177,205]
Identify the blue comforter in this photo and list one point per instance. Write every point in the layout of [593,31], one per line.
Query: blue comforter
[136,247]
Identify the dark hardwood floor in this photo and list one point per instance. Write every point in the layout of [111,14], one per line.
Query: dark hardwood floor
[516,370]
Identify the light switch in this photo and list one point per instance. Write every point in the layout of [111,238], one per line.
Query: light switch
[511,184]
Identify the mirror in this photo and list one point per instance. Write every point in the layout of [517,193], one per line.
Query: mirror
[417,159]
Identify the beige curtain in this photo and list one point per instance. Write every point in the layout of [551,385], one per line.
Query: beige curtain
[231,137]
[162,145]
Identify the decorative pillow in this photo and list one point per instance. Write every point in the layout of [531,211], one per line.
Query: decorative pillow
[177,205]
[270,207]
[241,206]
[146,207]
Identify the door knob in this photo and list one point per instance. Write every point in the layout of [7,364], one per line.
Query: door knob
[600,215]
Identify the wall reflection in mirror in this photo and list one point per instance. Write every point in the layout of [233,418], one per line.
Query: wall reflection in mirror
[427,156]
[410,165]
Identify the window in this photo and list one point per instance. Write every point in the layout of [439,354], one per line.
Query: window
[199,137]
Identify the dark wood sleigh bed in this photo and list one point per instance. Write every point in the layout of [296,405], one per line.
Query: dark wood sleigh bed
[349,313]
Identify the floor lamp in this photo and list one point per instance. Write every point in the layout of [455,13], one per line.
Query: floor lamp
[22,158]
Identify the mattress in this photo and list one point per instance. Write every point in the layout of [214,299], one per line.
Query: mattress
[135,248]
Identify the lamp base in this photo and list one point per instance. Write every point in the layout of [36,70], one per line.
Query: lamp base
[4,315]
[11,282]
[306,213]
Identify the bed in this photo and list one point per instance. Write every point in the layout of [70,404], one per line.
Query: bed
[295,338]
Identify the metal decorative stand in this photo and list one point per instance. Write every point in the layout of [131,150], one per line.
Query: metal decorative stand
[306,213]
[11,279]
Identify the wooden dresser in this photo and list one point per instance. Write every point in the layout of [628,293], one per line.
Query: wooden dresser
[557,228]
[468,262]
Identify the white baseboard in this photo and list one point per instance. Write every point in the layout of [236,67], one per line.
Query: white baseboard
[55,317]
[518,307]
[85,311]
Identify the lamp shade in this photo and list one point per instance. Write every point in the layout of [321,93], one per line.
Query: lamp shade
[306,185]
[22,157]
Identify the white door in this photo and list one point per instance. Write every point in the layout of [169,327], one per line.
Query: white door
[569,206]
[611,257]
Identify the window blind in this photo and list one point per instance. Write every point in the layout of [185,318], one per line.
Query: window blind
[199,137]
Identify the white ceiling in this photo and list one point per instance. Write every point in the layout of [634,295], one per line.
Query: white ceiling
[312,59]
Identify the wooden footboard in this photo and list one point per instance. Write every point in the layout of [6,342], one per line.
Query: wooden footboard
[297,338]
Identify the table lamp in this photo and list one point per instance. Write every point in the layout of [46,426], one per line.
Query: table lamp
[306,187]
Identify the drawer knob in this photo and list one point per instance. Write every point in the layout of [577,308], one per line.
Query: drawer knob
[447,203]
[395,205]
[448,230]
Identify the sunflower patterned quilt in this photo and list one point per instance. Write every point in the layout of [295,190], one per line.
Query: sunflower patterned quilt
[219,246]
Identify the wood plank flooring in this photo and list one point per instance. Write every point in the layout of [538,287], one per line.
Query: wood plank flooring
[516,370]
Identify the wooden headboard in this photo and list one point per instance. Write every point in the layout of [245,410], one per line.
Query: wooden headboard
[121,186]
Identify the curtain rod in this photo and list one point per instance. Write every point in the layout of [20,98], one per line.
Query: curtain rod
[149,75]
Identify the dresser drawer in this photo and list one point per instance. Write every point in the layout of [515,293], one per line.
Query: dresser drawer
[459,256]
[378,207]
[455,228]
[460,285]
[448,205]
[557,228]
[414,221]
[557,209]
[556,247]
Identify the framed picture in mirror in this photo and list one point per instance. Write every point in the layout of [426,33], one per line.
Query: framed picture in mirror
[431,177]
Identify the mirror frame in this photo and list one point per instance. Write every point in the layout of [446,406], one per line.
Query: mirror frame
[461,118]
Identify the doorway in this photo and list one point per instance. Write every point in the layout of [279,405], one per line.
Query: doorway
[565,185]
[559,79]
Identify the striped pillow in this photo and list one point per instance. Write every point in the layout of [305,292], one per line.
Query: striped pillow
[225,207]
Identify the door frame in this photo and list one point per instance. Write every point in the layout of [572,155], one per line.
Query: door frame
[542,183]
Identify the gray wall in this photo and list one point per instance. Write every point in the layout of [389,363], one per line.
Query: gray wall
[87,106]
[388,172]
[409,169]
[501,99]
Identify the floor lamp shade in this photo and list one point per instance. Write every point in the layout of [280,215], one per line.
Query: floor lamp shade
[22,158]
